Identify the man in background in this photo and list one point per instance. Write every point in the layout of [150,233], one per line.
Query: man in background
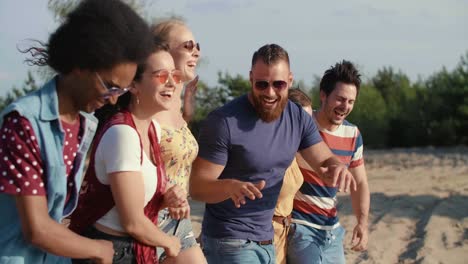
[316,235]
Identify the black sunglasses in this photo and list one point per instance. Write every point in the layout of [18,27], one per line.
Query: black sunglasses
[190,44]
[279,85]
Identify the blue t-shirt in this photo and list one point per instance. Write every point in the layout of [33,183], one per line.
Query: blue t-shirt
[251,150]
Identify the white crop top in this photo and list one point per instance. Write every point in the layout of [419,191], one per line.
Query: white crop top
[119,150]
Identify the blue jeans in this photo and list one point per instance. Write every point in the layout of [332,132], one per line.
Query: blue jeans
[180,228]
[237,251]
[314,246]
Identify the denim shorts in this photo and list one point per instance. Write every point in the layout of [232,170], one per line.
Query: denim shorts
[180,228]
[123,247]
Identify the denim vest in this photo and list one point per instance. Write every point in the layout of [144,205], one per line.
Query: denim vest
[41,110]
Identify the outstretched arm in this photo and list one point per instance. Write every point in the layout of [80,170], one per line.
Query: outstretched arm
[328,166]
[205,185]
[360,200]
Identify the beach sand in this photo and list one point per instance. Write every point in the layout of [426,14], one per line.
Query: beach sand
[419,207]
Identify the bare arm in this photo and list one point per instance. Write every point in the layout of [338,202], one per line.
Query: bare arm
[317,155]
[189,99]
[45,233]
[360,200]
[128,192]
[205,185]
[328,166]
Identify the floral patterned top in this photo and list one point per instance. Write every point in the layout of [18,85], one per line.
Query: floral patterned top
[179,149]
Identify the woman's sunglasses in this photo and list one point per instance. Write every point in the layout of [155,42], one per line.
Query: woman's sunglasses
[190,44]
[279,85]
[162,76]
[112,90]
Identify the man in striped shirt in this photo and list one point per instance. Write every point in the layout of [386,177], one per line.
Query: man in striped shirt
[316,235]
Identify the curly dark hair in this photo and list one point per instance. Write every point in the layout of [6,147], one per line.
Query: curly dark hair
[269,54]
[97,35]
[344,72]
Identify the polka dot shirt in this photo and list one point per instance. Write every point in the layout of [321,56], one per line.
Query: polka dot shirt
[21,167]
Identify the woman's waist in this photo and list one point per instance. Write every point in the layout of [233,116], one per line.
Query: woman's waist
[110,231]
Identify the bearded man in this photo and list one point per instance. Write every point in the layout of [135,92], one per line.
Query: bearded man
[245,148]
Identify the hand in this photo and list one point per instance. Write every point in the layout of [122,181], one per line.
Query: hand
[175,196]
[360,238]
[191,90]
[238,190]
[179,212]
[173,247]
[338,175]
[106,252]
[189,97]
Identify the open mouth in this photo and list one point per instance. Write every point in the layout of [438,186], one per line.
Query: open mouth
[192,64]
[340,113]
[269,101]
[167,94]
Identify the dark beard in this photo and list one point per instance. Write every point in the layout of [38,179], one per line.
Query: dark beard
[269,116]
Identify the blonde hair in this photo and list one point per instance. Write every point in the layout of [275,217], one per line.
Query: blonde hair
[162,29]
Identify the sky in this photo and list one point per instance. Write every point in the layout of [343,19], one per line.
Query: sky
[418,37]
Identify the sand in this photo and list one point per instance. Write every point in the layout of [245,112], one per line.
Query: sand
[419,207]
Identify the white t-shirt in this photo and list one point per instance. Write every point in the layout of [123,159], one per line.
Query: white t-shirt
[119,150]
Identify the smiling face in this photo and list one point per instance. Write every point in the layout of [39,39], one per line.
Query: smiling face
[183,48]
[338,104]
[159,82]
[270,84]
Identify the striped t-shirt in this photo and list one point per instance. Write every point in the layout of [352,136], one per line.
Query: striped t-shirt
[315,202]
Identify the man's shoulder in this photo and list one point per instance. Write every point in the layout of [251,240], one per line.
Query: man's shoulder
[293,108]
[350,125]
[295,113]
[233,107]
[347,123]
[352,128]
[345,130]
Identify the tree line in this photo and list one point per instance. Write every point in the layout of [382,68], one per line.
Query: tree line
[391,111]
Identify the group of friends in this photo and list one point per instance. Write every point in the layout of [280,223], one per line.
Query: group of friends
[97,166]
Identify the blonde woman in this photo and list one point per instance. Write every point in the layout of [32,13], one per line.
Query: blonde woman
[178,146]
